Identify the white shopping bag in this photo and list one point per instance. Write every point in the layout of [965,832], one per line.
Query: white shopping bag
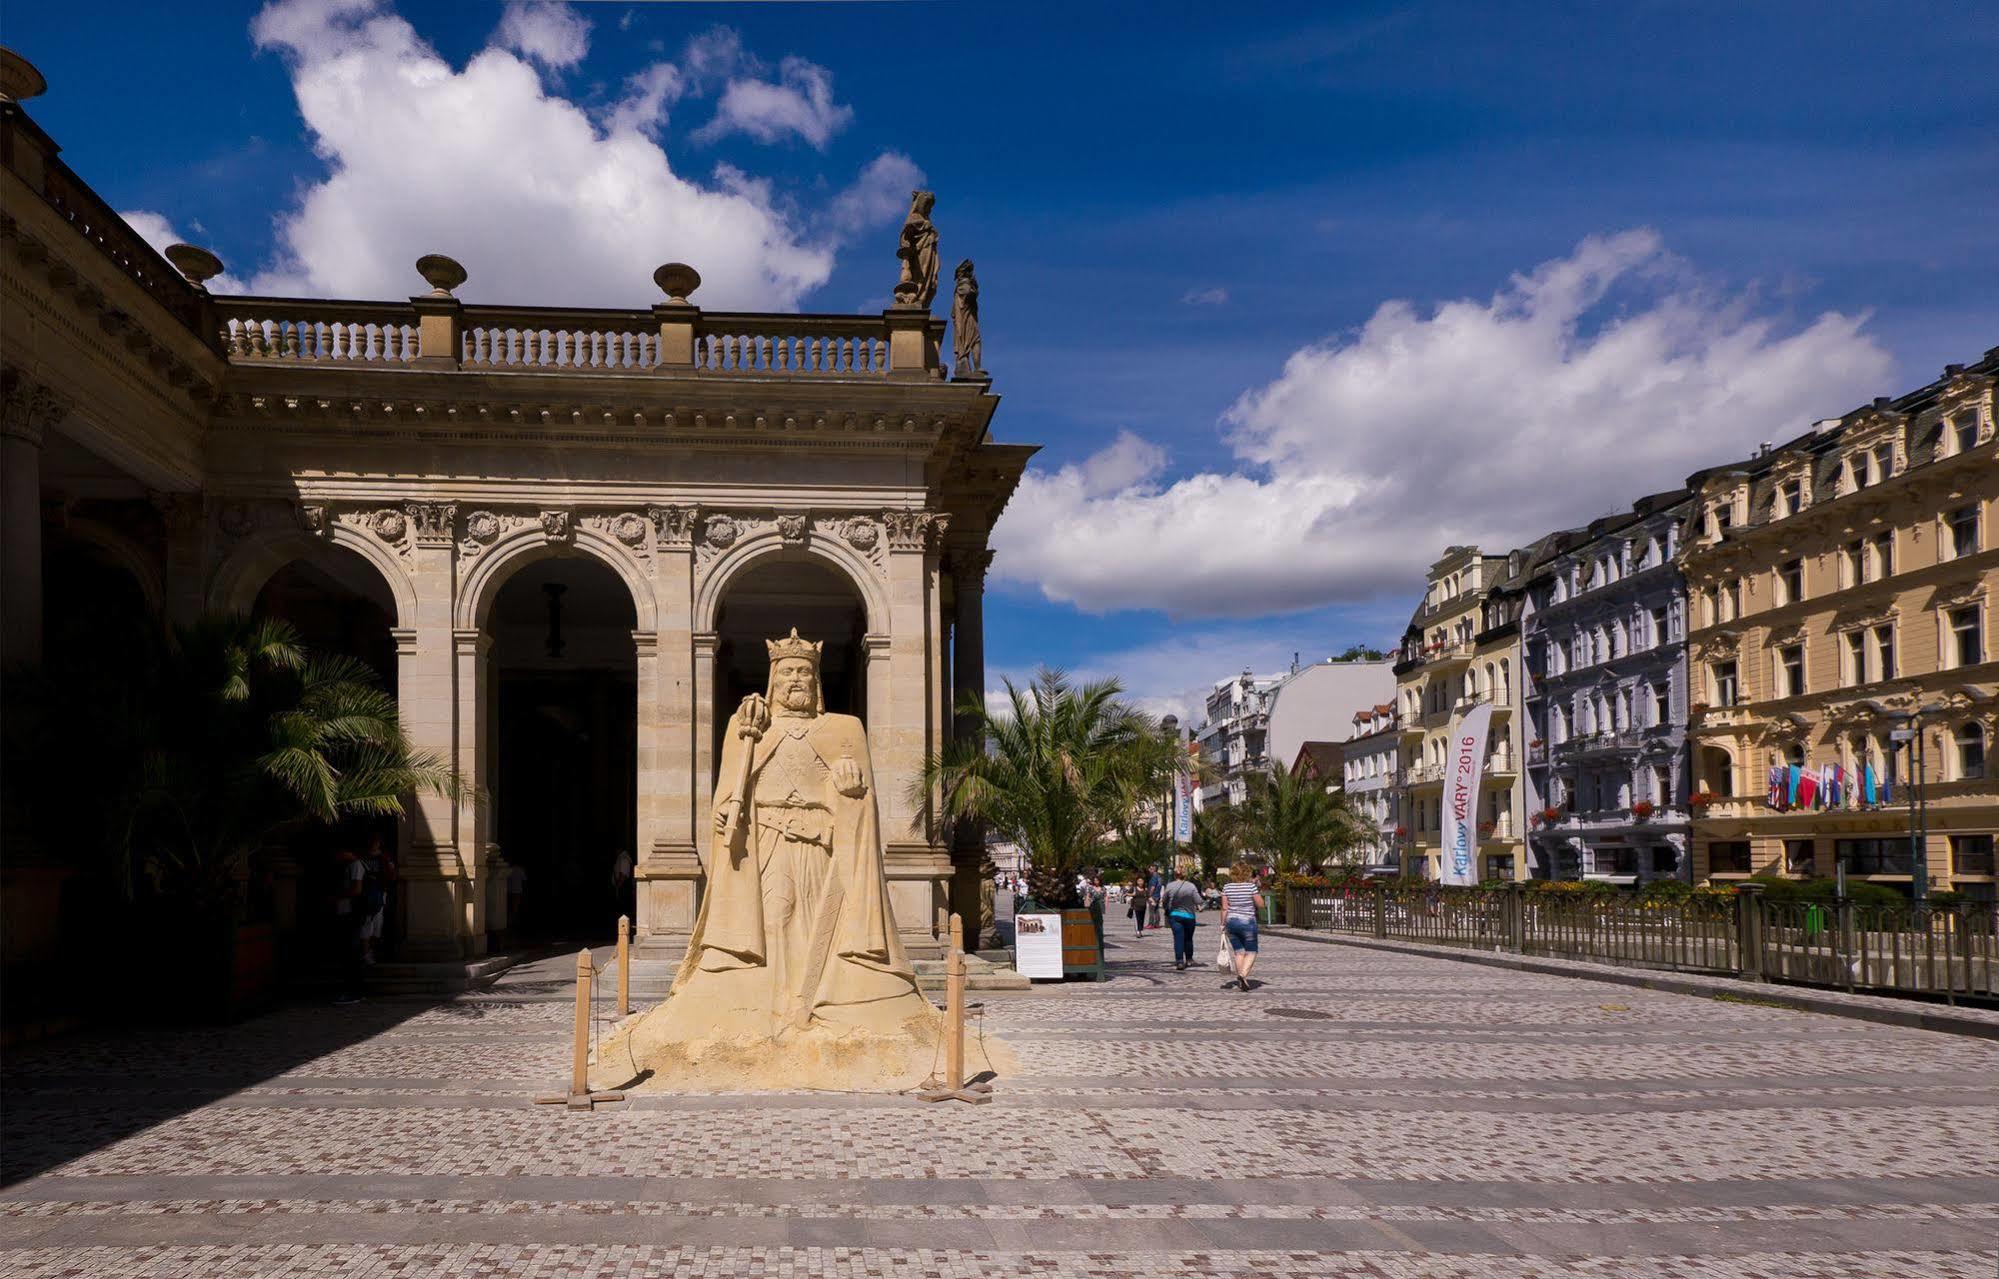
[1225,957]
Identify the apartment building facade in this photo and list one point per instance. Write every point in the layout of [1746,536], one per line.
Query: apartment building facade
[1841,591]
[1604,640]
[1235,738]
[1370,766]
[1461,649]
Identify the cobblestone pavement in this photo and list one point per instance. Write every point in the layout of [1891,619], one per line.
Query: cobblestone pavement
[1360,1113]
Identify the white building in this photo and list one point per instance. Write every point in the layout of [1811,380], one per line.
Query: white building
[1371,761]
[1255,719]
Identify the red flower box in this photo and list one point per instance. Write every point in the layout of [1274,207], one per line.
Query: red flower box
[1642,809]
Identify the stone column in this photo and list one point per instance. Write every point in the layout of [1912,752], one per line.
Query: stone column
[919,867]
[30,409]
[430,661]
[669,870]
[969,895]
[475,698]
[185,586]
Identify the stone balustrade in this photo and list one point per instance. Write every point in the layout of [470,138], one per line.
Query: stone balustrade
[441,333]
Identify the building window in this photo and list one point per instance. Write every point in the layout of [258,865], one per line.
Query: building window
[1659,623]
[1971,855]
[1852,564]
[1971,752]
[1881,464]
[1884,651]
[1662,703]
[1662,785]
[1964,432]
[1967,643]
[1664,860]
[1856,657]
[1722,675]
[1728,857]
[1874,856]
[1790,499]
[1791,670]
[1962,527]
[1882,557]
[1720,517]
[1798,856]
[1791,582]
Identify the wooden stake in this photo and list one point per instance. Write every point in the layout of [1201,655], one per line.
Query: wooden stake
[624,966]
[954,1088]
[579,1096]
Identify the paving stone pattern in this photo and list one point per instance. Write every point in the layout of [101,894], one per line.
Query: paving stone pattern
[1360,1113]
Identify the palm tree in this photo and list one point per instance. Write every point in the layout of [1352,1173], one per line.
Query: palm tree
[233,733]
[1291,818]
[1217,840]
[1059,773]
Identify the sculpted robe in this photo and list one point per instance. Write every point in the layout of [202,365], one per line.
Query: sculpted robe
[795,928]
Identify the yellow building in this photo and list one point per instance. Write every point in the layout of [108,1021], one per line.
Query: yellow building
[1841,597]
[1461,648]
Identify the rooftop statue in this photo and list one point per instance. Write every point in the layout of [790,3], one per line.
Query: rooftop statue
[794,975]
[918,251]
[967,349]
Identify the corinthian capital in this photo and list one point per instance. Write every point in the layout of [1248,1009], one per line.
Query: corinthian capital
[29,408]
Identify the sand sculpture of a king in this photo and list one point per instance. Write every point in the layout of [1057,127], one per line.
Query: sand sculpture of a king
[794,974]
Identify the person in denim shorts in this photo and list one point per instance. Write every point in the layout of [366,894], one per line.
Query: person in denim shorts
[1241,900]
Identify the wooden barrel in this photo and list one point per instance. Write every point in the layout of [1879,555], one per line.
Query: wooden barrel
[1081,955]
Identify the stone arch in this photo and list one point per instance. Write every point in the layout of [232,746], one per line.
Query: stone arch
[762,546]
[244,571]
[524,546]
[126,554]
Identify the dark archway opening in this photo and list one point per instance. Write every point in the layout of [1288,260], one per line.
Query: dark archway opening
[565,783]
[339,605]
[765,602]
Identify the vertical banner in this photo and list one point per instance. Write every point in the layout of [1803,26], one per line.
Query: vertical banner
[1183,795]
[1462,772]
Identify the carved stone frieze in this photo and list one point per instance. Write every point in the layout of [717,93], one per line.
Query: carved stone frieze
[793,525]
[629,528]
[861,533]
[314,518]
[555,524]
[435,523]
[28,408]
[915,530]
[674,526]
[970,568]
[389,524]
[720,531]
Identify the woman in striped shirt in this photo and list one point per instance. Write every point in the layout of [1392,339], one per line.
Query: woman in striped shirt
[1241,901]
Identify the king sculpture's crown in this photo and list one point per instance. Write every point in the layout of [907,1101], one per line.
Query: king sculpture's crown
[795,647]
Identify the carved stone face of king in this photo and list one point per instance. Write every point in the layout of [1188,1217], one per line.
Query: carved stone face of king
[794,683]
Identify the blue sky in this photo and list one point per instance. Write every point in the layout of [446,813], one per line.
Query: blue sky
[1292,295]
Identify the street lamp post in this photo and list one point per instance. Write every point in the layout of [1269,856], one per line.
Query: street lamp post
[1911,736]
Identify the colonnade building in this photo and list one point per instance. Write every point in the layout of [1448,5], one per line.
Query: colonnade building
[562,534]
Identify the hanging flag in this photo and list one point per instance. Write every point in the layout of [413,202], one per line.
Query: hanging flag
[1793,784]
[1776,784]
[1461,781]
[1808,788]
[1867,787]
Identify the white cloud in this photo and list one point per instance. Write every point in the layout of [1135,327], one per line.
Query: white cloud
[483,163]
[880,194]
[1205,297]
[643,106]
[1490,422]
[155,230]
[545,31]
[799,103]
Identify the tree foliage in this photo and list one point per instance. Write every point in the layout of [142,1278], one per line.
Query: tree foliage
[215,738]
[1059,772]
[1291,819]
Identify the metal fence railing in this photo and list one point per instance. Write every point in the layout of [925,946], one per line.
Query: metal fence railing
[1946,951]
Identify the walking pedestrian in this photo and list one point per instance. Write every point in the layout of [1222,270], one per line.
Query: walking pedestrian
[1155,888]
[347,925]
[1138,903]
[1242,900]
[377,870]
[1094,895]
[1182,901]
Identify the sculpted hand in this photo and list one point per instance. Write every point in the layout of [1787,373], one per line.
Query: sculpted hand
[752,717]
[847,778]
[725,815]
